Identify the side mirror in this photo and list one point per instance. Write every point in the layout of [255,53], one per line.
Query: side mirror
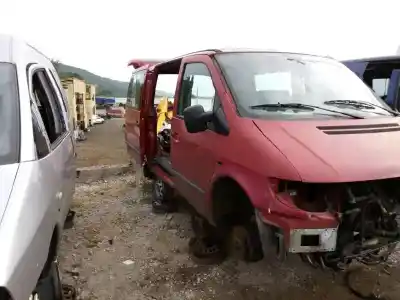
[196,118]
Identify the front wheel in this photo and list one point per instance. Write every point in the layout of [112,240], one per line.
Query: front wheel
[50,287]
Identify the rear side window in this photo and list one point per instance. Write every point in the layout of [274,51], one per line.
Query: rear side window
[135,89]
[9,115]
[48,105]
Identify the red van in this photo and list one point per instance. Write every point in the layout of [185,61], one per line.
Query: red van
[276,153]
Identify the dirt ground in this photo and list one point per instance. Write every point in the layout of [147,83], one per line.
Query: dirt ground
[118,249]
[105,145]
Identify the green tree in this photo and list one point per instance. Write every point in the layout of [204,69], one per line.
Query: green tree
[106,93]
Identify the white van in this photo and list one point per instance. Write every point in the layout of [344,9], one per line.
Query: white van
[37,172]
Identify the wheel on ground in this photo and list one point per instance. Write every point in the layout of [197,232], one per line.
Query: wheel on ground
[201,228]
[245,243]
[163,197]
[50,287]
[206,251]
[206,247]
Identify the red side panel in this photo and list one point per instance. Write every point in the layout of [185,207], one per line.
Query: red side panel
[148,118]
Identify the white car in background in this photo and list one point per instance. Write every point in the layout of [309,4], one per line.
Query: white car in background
[97,120]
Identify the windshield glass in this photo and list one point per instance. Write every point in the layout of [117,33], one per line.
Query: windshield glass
[9,115]
[263,78]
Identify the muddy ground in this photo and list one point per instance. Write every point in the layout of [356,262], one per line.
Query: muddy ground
[118,249]
[105,145]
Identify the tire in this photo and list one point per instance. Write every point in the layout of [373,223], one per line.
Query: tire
[206,252]
[163,197]
[246,244]
[50,287]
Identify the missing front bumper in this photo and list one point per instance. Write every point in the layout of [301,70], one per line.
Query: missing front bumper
[312,240]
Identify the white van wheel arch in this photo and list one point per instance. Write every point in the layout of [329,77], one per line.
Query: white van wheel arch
[50,287]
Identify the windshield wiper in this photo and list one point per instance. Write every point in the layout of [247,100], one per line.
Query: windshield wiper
[302,106]
[360,104]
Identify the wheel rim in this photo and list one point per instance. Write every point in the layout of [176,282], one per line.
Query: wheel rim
[159,189]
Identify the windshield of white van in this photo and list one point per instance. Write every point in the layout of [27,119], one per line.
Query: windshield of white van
[9,115]
[282,85]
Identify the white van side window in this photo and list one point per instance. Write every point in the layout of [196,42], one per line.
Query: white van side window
[49,107]
[39,136]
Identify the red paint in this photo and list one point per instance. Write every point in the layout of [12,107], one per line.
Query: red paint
[115,112]
[139,63]
[258,151]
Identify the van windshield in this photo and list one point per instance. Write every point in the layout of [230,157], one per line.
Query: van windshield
[9,115]
[263,84]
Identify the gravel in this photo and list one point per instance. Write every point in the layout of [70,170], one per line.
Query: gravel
[118,249]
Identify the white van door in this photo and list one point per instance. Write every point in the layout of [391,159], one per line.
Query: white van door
[56,167]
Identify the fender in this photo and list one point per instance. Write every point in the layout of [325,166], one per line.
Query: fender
[261,194]
[256,186]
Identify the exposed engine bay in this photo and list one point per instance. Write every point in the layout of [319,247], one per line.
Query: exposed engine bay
[367,214]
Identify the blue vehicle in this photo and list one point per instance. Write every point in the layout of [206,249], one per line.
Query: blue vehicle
[105,101]
[381,74]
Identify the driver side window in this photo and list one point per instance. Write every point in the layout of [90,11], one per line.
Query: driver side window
[197,88]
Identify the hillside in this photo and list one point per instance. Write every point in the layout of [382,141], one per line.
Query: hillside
[105,86]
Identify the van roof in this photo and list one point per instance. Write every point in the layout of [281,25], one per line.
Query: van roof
[146,63]
[15,50]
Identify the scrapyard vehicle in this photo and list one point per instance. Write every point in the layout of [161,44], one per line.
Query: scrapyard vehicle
[276,152]
[37,171]
[381,74]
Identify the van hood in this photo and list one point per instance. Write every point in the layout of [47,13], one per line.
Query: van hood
[7,177]
[338,151]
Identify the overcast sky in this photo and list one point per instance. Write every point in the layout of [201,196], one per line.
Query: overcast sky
[101,36]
